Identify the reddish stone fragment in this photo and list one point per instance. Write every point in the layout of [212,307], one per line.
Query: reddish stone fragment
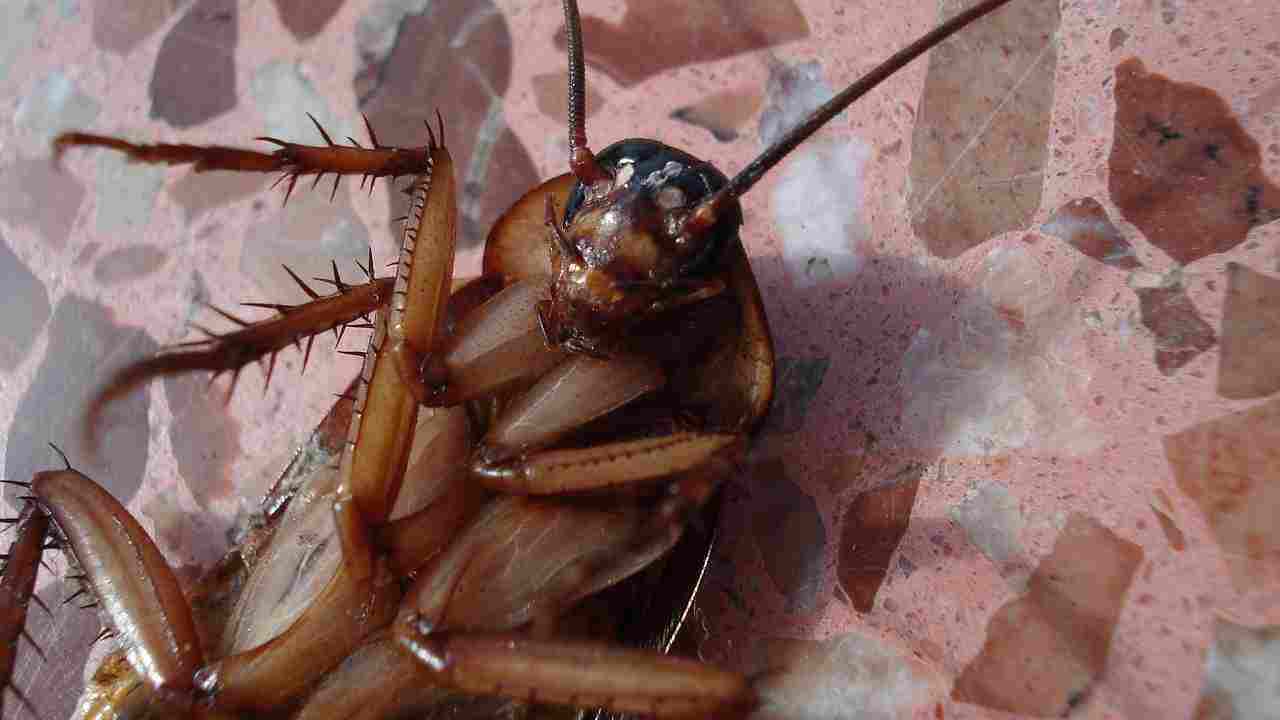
[194,79]
[550,89]
[1045,650]
[723,114]
[873,527]
[306,18]
[1230,468]
[1249,366]
[119,25]
[198,193]
[1180,333]
[87,344]
[657,35]
[455,56]
[981,142]
[1182,168]
[1084,224]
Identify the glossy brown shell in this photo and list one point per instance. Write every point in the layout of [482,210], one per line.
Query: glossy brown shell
[731,379]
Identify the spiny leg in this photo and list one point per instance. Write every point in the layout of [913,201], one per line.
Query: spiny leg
[293,159]
[511,457]
[410,338]
[607,466]
[371,470]
[231,351]
[17,586]
[137,590]
[307,595]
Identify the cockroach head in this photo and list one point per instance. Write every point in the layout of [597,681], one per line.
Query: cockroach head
[644,229]
[625,249]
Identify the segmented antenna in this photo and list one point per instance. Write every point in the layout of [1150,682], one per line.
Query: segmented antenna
[708,211]
[582,162]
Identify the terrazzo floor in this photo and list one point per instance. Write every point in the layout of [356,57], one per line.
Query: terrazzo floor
[1025,298]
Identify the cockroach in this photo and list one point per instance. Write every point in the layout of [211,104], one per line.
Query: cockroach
[17,586]
[516,445]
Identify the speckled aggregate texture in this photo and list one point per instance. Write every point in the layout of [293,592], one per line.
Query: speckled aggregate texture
[1023,459]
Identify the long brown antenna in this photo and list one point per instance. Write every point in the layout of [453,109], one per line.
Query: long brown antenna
[582,162]
[706,213]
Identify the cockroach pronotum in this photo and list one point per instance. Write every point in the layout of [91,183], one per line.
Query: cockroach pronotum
[518,444]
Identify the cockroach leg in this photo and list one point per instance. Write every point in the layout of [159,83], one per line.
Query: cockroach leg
[201,157]
[421,296]
[138,592]
[360,599]
[437,497]
[576,392]
[380,437]
[577,674]
[518,563]
[603,467]
[230,352]
[378,680]
[292,159]
[17,586]
[361,596]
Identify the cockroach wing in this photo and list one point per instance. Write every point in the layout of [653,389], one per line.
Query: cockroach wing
[292,569]
[525,559]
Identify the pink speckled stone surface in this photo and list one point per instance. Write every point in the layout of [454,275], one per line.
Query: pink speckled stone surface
[1022,458]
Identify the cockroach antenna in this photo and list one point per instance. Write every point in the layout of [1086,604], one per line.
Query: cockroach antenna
[65,461]
[708,212]
[646,227]
[582,162]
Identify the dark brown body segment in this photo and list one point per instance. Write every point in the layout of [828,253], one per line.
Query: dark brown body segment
[138,592]
[16,588]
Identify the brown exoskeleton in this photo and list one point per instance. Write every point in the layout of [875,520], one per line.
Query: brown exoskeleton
[517,444]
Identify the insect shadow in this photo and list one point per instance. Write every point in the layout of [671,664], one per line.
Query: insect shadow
[835,440]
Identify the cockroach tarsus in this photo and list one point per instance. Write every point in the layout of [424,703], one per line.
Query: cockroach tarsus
[517,445]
